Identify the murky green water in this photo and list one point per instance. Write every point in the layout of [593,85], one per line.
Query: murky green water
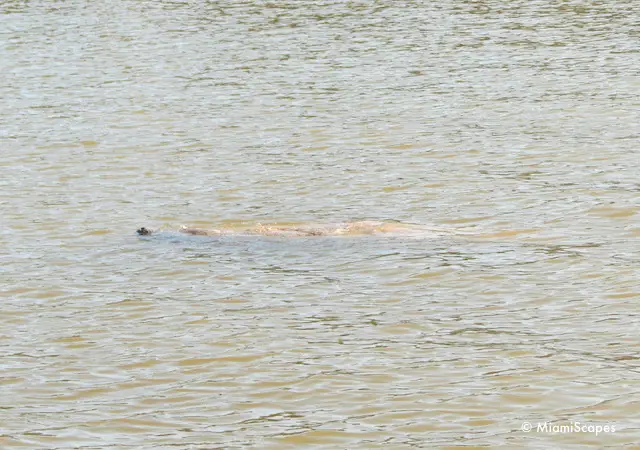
[515,121]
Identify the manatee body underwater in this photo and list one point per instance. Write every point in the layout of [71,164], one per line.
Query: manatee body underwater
[359,228]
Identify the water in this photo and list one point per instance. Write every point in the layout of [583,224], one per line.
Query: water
[516,122]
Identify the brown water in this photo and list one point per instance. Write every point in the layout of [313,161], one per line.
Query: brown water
[514,121]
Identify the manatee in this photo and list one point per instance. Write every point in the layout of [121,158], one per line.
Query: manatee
[366,227]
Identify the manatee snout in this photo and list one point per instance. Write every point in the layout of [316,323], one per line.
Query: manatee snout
[143,231]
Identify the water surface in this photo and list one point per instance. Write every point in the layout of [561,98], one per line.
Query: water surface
[515,121]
